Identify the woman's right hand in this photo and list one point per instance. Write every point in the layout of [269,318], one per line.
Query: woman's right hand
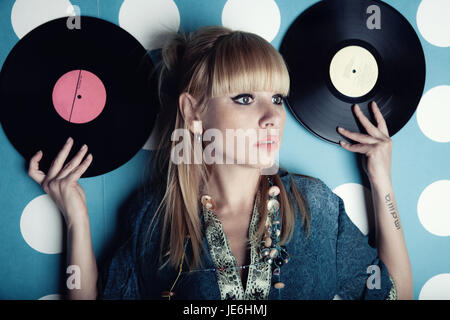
[61,183]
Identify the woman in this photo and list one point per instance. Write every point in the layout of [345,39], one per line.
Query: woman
[222,229]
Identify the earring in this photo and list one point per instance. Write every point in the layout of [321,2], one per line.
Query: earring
[197,130]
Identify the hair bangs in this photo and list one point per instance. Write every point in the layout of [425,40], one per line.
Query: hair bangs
[248,64]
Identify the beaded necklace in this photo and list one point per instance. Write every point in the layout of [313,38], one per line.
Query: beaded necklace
[269,249]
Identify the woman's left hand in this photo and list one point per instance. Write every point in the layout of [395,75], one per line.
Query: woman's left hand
[376,145]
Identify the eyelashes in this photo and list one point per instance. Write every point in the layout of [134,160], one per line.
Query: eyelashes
[241,98]
[277,99]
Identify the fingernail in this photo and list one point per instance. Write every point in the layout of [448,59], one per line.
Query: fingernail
[68,140]
[357,107]
[83,147]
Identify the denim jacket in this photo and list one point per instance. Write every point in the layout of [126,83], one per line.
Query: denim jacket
[336,258]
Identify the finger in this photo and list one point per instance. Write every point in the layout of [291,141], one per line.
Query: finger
[379,118]
[359,147]
[355,136]
[33,170]
[78,172]
[370,128]
[74,162]
[59,160]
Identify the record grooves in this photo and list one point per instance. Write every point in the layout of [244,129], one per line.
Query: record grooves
[336,61]
[93,84]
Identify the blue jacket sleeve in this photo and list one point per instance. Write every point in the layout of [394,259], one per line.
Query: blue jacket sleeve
[361,274]
[118,279]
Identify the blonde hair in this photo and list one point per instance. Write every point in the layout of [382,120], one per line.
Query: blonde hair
[210,62]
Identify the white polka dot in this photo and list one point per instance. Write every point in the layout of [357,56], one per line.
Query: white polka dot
[29,14]
[433,208]
[149,20]
[436,288]
[257,16]
[41,225]
[433,21]
[55,296]
[433,114]
[358,202]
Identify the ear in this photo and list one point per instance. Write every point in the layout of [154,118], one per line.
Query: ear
[188,108]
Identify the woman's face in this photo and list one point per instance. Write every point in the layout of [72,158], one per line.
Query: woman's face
[249,119]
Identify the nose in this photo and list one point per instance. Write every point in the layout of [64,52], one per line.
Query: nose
[271,116]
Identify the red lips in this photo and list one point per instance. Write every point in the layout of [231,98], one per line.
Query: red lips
[268,138]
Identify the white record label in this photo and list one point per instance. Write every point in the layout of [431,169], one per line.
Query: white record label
[353,71]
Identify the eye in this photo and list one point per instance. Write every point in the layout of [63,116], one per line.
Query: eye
[245,98]
[278,99]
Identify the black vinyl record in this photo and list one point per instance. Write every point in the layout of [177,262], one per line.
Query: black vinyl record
[95,84]
[345,52]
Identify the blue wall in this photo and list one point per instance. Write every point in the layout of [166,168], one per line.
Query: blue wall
[31,248]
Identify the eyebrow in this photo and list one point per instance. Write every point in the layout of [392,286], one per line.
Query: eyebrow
[253,94]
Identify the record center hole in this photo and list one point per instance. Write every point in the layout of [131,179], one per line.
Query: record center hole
[79,96]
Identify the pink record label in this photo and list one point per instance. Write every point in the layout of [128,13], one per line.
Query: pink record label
[79,96]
